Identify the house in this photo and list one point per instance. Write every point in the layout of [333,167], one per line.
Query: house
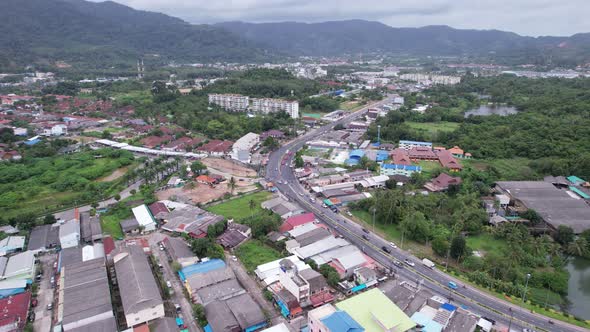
[11,155]
[20,266]
[43,237]
[234,235]
[69,234]
[327,319]
[14,312]
[206,179]
[195,282]
[276,134]
[268,273]
[152,142]
[447,160]
[11,244]
[158,209]
[375,312]
[457,152]
[296,221]
[179,251]
[442,183]
[144,217]
[130,226]
[307,286]
[139,292]
[216,148]
[418,153]
[401,157]
[398,169]
[90,227]
[242,148]
[238,313]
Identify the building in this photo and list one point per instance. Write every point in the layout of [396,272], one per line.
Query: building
[179,251]
[140,294]
[14,312]
[269,105]
[375,312]
[327,319]
[396,169]
[20,266]
[269,272]
[447,160]
[69,234]
[144,218]
[195,282]
[90,227]
[216,148]
[242,148]
[296,221]
[11,244]
[442,183]
[238,313]
[418,153]
[308,286]
[276,134]
[80,282]
[43,237]
[234,235]
[401,157]
[407,145]
[230,102]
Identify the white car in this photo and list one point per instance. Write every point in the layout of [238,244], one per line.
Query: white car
[300,194]
[349,214]
[234,258]
[169,284]
[391,244]
[409,262]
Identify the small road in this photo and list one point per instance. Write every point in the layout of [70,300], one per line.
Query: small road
[168,272]
[45,294]
[477,300]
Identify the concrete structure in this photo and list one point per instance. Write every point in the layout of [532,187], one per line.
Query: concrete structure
[305,285]
[407,145]
[144,218]
[269,272]
[376,313]
[242,148]
[394,169]
[69,234]
[139,292]
[80,282]
[268,105]
[230,102]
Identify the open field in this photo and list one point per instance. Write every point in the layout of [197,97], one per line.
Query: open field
[254,253]
[433,127]
[350,105]
[485,243]
[239,208]
[509,169]
[202,193]
[229,167]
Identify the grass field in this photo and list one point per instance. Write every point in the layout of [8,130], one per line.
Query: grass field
[254,253]
[485,243]
[431,128]
[350,106]
[239,208]
[110,225]
[509,169]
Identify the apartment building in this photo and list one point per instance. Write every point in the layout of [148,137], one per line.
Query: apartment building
[230,102]
[269,105]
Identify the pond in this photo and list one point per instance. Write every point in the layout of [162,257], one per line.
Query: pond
[579,287]
[485,110]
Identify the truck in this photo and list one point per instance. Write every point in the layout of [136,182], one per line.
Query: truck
[428,263]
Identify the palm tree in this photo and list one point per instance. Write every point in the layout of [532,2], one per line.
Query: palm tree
[252,206]
[231,184]
[578,247]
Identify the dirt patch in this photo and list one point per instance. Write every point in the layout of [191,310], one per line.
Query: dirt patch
[115,175]
[229,167]
[201,193]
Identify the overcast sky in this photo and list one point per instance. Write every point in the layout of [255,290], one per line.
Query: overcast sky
[526,17]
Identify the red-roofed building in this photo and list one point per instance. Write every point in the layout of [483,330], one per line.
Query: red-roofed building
[109,244]
[141,328]
[422,153]
[217,147]
[401,157]
[182,144]
[157,208]
[154,141]
[296,221]
[14,311]
[205,179]
[442,183]
[447,160]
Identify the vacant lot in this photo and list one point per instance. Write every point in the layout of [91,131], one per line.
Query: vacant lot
[229,167]
[431,129]
[239,208]
[201,193]
[254,253]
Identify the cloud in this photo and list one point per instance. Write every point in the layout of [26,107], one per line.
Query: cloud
[528,17]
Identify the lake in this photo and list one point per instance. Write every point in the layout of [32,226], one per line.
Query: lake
[579,287]
[485,110]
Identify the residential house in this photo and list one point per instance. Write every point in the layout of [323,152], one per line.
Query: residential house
[69,234]
[206,179]
[11,244]
[234,235]
[328,319]
[144,217]
[216,148]
[447,160]
[20,266]
[296,221]
[442,183]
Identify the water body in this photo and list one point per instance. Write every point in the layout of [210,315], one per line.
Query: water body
[579,287]
[486,110]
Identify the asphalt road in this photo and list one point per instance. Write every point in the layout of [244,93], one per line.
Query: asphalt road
[475,300]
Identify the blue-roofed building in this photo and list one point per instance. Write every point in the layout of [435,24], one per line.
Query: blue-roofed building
[203,267]
[579,192]
[32,142]
[407,145]
[428,325]
[395,169]
[341,321]
[355,157]
[575,180]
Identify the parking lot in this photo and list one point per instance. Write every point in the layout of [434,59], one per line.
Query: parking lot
[45,294]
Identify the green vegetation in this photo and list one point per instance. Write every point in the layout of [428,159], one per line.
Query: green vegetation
[40,185]
[206,247]
[255,252]
[431,129]
[239,208]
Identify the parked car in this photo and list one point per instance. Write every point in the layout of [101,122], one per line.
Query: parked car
[50,306]
[391,244]
[168,284]
[365,230]
[177,307]
[349,214]
[31,316]
[234,258]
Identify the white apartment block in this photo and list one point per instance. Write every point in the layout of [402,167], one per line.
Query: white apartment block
[268,105]
[431,79]
[230,102]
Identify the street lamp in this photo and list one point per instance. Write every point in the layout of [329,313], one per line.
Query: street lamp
[528,276]
[374,210]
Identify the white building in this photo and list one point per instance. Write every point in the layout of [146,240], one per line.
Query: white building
[144,217]
[269,105]
[241,150]
[231,102]
[55,130]
[394,169]
[11,244]
[69,234]
[20,266]
[408,145]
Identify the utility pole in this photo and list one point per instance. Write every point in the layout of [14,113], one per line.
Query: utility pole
[511,315]
[528,276]
[374,209]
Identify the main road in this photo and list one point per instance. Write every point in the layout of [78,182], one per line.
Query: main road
[476,300]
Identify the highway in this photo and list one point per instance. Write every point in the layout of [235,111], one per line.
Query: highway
[475,300]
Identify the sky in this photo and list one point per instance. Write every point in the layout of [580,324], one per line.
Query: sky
[525,17]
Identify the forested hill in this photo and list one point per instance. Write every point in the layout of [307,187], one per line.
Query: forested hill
[107,33]
[359,36]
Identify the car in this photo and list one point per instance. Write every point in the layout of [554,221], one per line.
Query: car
[160,266]
[409,262]
[55,265]
[386,249]
[349,214]
[312,200]
[177,307]
[34,303]
[391,244]
[397,263]
[234,258]
[301,194]
[365,237]
[50,306]
[168,283]
[276,169]
[365,230]
[52,280]
[453,285]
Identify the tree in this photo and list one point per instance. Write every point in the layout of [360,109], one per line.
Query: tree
[416,227]
[252,206]
[117,197]
[390,184]
[199,314]
[231,184]
[440,245]
[331,275]
[564,235]
[49,219]
[270,143]
[578,247]
[176,266]
[299,161]
[133,191]
[197,167]
[532,216]
[459,247]
[94,205]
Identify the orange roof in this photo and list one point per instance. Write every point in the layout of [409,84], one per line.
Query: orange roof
[141,328]
[205,178]
[456,150]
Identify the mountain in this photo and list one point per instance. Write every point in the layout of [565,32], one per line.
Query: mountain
[77,31]
[358,36]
